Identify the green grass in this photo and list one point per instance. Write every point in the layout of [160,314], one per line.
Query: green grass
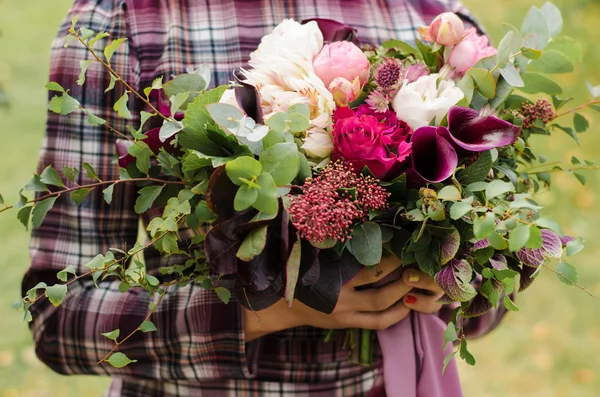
[550,348]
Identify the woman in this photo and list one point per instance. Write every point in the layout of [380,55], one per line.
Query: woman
[202,347]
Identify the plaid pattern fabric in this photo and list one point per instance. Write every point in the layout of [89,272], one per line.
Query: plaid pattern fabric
[199,348]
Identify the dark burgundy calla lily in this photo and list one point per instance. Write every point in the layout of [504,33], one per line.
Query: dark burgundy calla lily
[335,31]
[476,133]
[433,157]
[248,99]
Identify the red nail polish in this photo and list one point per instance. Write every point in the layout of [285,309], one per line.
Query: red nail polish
[410,299]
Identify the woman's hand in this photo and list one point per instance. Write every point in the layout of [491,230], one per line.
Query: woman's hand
[370,308]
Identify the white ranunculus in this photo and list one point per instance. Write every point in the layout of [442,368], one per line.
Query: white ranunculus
[318,143]
[288,51]
[425,100]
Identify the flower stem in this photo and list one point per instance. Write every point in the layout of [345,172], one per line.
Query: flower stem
[573,110]
[366,347]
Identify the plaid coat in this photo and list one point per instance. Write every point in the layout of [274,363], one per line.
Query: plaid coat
[199,348]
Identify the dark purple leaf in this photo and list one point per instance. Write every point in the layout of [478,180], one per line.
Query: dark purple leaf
[476,133]
[566,239]
[349,266]
[449,244]
[310,267]
[335,31]
[324,294]
[433,157]
[477,307]
[499,262]
[526,280]
[263,270]
[455,280]
[551,248]
[222,243]
[221,194]
[445,300]
[262,299]
[481,244]
[248,99]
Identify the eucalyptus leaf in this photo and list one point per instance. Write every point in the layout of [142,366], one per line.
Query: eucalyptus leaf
[366,243]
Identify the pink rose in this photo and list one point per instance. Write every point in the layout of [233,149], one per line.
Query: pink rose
[342,59]
[363,140]
[469,51]
[394,131]
[446,29]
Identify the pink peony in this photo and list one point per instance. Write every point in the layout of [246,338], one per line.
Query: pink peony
[342,59]
[446,29]
[363,140]
[469,51]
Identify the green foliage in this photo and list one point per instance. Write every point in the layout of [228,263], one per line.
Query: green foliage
[254,244]
[120,360]
[366,243]
[146,198]
[56,293]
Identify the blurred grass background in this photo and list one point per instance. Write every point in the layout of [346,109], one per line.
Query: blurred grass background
[551,348]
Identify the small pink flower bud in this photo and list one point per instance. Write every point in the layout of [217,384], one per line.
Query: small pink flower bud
[446,29]
[344,91]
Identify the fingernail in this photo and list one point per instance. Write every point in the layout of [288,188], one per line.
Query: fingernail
[410,299]
[413,277]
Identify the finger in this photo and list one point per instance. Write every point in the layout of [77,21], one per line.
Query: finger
[380,320]
[422,303]
[377,273]
[373,299]
[418,279]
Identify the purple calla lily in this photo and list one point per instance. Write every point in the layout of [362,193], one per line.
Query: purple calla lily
[433,157]
[335,31]
[476,133]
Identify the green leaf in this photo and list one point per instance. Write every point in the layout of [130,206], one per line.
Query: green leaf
[366,243]
[80,194]
[36,185]
[484,82]
[569,131]
[148,326]
[245,197]
[467,85]
[23,216]
[153,281]
[40,210]
[450,334]
[574,246]
[112,47]
[191,83]
[53,86]
[120,360]
[460,209]
[535,29]
[108,193]
[581,123]
[91,172]
[477,171]
[535,238]
[121,106]
[85,33]
[292,271]
[51,177]
[497,188]
[243,169]
[504,49]
[512,76]
[84,65]
[282,162]
[195,121]
[146,198]
[99,36]
[204,213]
[224,294]
[141,151]
[178,100]
[483,226]
[113,335]
[253,245]
[553,18]
[551,224]
[111,84]
[509,304]
[64,104]
[536,83]
[2,200]
[489,292]
[477,186]
[465,354]
[567,273]
[95,120]
[449,193]
[267,196]
[56,293]
[169,129]
[447,360]
[518,238]
[553,61]
[568,47]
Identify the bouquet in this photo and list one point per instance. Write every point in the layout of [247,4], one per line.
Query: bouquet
[325,156]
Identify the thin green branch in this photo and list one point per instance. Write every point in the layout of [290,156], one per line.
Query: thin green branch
[580,107]
[559,274]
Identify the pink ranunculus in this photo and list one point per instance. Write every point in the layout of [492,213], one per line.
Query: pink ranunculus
[446,29]
[342,59]
[469,51]
[365,141]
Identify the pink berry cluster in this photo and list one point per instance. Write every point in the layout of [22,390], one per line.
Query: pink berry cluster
[326,210]
[542,110]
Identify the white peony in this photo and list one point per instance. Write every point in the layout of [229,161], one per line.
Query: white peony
[425,100]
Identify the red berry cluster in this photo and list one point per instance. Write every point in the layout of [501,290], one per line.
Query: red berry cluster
[542,110]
